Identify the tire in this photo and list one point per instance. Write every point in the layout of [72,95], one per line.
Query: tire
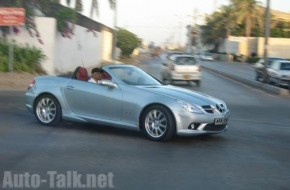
[157,123]
[47,110]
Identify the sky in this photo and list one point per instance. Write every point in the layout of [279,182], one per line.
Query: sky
[161,21]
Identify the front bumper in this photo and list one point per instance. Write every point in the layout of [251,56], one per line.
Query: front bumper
[284,82]
[197,124]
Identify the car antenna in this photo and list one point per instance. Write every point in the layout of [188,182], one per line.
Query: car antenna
[82,62]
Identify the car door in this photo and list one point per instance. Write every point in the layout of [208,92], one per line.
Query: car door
[94,100]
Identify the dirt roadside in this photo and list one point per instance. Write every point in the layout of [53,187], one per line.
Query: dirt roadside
[21,80]
[15,80]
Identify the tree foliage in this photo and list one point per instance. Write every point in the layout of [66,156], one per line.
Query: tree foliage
[26,58]
[247,12]
[127,41]
[240,18]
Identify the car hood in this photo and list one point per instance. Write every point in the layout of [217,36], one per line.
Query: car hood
[189,96]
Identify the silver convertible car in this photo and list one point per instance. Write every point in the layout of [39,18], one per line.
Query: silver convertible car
[126,97]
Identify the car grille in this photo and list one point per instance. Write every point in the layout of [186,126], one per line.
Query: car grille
[220,108]
[213,127]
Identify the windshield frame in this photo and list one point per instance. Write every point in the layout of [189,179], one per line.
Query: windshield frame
[133,76]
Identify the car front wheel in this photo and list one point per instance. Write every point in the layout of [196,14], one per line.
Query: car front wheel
[47,110]
[158,124]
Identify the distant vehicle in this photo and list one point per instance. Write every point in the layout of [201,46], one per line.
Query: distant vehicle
[181,68]
[259,67]
[279,73]
[164,56]
[206,57]
[127,97]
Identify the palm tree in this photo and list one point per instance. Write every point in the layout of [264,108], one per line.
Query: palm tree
[248,12]
[228,18]
[214,31]
[95,6]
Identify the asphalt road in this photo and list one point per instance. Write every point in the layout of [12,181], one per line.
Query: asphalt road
[253,154]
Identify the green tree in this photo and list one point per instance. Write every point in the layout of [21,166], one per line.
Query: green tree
[247,12]
[228,18]
[127,41]
[214,31]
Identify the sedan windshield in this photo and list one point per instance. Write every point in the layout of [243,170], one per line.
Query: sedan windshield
[134,76]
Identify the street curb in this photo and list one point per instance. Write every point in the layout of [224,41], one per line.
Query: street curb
[265,87]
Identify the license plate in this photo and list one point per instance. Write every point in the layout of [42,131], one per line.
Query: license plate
[220,121]
[186,77]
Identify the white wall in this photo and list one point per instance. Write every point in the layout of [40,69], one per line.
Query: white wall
[65,54]
[46,28]
[107,45]
[278,47]
[83,49]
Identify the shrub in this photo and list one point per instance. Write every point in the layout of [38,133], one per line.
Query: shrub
[127,41]
[26,58]
[253,60]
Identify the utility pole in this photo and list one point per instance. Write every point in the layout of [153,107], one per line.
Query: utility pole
[266,45]
[114,49]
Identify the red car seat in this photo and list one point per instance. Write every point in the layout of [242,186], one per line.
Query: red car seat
[82,74]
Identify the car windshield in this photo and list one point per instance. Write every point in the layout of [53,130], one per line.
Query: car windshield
[134,76]
[285,66]
[271,60]
[185,61]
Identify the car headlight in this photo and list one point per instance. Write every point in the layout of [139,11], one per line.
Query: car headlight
[189,107]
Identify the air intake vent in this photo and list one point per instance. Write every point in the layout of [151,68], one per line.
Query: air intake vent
[208,108]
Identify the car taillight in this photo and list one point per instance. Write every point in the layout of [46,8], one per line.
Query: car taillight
[31,84]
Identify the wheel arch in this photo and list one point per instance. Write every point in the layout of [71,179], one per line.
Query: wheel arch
[154,104]
[45,93]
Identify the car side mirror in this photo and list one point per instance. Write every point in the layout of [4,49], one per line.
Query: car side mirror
[107,83]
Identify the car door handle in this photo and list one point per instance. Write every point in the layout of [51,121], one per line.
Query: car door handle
[70,87]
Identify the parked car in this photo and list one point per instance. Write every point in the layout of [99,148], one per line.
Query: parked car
[279,73]
[181,68]
[259,67]
[206,57]
[127,97]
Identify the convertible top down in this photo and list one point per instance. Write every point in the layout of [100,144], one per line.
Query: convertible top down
[126,97]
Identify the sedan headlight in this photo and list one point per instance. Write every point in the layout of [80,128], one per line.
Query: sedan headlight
[189,107]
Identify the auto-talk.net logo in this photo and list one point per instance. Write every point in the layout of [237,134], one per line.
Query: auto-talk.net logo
[54,179]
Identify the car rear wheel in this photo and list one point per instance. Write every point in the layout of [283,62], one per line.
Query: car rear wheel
[157,123]
[47,110]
